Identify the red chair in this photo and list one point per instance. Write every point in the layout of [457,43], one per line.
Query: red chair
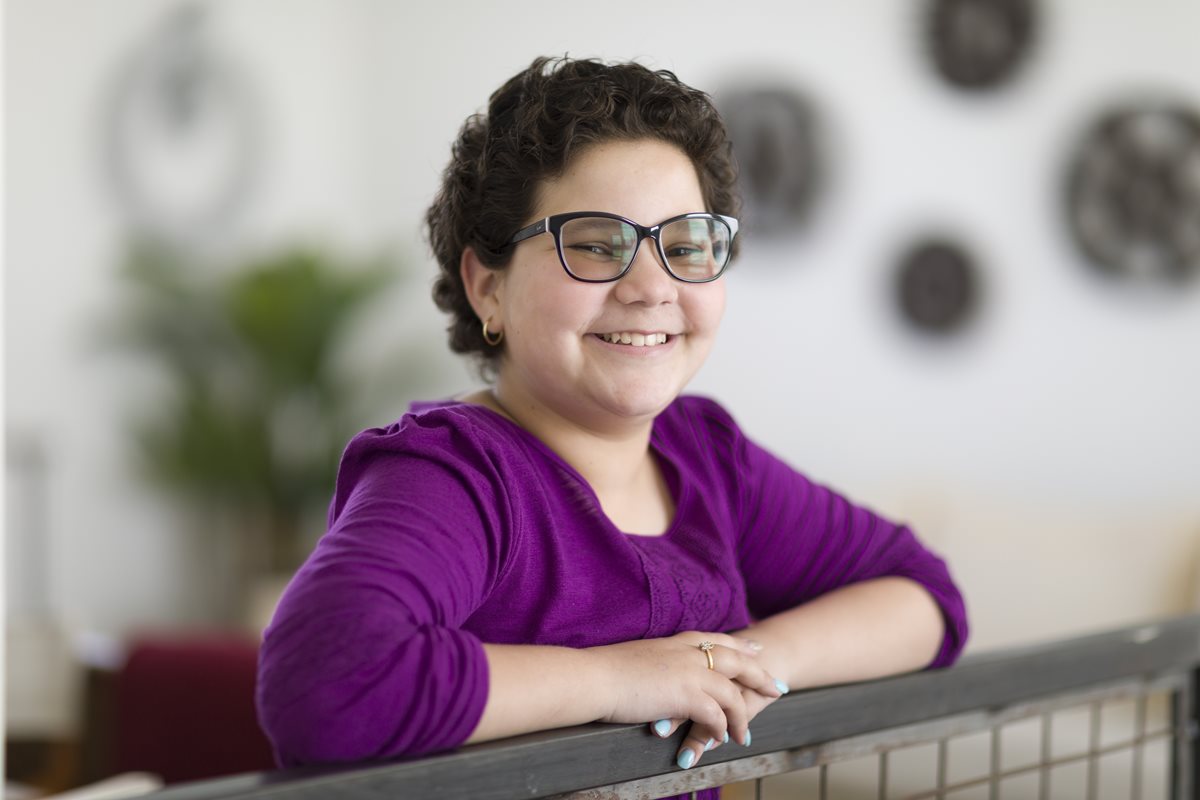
[185,708]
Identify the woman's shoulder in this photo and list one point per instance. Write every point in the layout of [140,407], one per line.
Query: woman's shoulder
[436,419]
[446,430]
[434,449]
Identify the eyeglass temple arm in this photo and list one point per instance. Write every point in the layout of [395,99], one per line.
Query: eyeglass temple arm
[539,227]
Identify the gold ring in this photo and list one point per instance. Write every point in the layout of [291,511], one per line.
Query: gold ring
[707,648]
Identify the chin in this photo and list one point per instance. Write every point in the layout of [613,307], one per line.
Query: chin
[642,403]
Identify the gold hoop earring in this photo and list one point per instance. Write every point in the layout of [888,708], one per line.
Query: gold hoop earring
[493,341]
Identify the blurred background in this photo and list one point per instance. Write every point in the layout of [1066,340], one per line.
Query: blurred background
[967,297]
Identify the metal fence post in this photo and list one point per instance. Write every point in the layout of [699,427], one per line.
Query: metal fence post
[1193,733]
[1185,722]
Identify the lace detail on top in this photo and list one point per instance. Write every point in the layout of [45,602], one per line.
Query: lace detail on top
[686,592]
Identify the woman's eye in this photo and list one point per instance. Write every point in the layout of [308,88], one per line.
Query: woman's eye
[687,252]
[593,249]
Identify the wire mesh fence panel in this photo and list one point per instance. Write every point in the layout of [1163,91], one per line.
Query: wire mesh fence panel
[1113,743]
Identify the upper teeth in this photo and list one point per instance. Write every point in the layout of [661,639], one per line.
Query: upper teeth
[635,339]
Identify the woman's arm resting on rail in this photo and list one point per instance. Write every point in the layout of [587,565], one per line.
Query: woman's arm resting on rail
[533,687]
[861,631]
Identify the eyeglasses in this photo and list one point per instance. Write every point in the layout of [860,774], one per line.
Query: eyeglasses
[596,247]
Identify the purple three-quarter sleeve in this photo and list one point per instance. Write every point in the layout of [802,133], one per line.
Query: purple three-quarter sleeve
[801,540]
[365,658]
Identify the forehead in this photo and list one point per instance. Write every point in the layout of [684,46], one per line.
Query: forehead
[646,180]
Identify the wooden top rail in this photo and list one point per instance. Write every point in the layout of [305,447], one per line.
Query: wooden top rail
[599,754]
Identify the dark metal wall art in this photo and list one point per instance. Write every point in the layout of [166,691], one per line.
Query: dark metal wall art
[1133,193]
[774,135]
[979,44]
[182,143]
[937,286]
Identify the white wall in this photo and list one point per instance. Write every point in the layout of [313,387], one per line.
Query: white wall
[1053,454]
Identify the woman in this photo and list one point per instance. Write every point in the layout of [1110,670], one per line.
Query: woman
[580,542]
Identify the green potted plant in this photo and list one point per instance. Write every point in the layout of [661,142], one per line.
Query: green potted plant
[257,404]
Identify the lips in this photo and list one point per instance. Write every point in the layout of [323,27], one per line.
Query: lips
[635,338]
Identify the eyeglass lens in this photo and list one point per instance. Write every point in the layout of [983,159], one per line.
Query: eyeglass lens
[599,248]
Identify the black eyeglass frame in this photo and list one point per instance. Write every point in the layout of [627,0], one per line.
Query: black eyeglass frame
[554,223]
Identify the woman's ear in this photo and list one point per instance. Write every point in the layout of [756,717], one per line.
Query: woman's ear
[483,286]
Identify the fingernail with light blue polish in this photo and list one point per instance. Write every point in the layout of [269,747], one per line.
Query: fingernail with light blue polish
[726,739]
[686,759]
[747,742]
[709,745]
[662,727]
[781,686]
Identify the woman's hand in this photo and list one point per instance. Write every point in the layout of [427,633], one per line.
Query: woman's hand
[668,681]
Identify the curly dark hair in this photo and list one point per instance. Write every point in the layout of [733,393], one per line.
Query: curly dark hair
[534,125]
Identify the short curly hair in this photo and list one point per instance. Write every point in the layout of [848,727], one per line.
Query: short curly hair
[534,125]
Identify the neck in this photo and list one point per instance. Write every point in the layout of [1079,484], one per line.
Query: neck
[609,456]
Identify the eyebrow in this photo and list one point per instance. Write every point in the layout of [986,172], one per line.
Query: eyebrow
[594,224]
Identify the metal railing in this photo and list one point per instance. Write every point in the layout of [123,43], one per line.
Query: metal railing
[1024,723]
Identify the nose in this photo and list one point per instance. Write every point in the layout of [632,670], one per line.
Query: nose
[647,281]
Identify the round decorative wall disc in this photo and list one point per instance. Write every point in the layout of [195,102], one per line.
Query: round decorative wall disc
[937,286]
[1133,193]
[773,131]
[979,44]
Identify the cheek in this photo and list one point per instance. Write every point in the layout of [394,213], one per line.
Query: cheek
[719,312]
[553,309]
[708,307]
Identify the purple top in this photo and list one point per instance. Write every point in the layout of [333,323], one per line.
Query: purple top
[454,527]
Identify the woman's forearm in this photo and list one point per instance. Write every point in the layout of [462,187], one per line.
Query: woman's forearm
[858,632]
[536,688]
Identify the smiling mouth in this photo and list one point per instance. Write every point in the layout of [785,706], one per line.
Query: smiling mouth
[635,339]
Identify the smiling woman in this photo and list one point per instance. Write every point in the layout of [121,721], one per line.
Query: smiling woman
[581,541]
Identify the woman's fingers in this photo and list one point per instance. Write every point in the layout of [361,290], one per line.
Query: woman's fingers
[755,677]
[716,703]
[722,710]
[694,746]
[663,728]
[734,658]
[738,643]
[729,660]
[725,717]
[749,645]
[699,741]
